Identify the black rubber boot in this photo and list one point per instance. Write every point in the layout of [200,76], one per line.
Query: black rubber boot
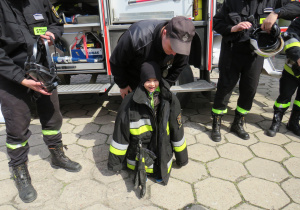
[237,126]
[60,160]
[293,124]
[277,118]
[23,182]
[216,126]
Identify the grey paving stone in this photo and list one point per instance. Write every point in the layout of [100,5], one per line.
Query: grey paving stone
[40,170]
[105,119]
[266,169]
[292,206]
[245,206]
[193,128]
[107,129]
[292,136]
[35,129]
[81,120]
[291,187]
[271,197]
[127,198]
[199,118]
[217,194]
[254,118]
[293,165]
[147,208]
[92,139]
[195,207]
[36,139]
[67,128]
[81,194]
[175,195]
[232,138]
[68,177]
[279,139]
[3,153]
[293,148]
[7,186]
[101,173]
[74,151]
[269,151]
[38,152]
[2,141]
[235,152]
[202,153]
[71,107]
[7,207]
[86,129]
[190,139]
[98,153]
[226,169]
[204,138]
[97,206]
[75,113]
[192,172]
[69,138]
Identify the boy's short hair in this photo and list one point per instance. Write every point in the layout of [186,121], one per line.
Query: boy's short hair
[150,70]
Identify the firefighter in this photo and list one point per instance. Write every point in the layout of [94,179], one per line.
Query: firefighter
[235,22]
[21,23]
[148,127]
[289,82]
[167,43]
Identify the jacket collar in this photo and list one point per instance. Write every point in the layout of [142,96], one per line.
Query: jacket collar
[140,95]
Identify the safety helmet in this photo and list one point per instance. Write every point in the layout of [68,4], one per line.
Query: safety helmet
[35,65]
[267,44]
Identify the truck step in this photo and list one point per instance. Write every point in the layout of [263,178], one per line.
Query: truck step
[83,88]
[198,86]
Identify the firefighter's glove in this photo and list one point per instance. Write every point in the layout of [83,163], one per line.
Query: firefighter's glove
[296,69]
[149,157]
[140,173]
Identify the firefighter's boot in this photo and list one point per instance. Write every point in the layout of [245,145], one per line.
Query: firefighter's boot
[293,124]
[216,126]
[277,118]
[60,160]
[237,126]
[23,182]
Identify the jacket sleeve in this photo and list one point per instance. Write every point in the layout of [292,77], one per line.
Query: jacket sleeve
[120,141]
[292,41]
[121,58]
[177,133]
[55,24]
[180,62]
[289,9]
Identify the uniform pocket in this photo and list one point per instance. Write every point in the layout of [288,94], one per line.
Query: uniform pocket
[37,23]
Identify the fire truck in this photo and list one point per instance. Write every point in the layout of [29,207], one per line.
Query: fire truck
[113,19]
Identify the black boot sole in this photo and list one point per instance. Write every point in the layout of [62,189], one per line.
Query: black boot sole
[69,170]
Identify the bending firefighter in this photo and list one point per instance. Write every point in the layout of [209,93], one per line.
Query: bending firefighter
[148,129]
[21,23]
[289,82]
[241,59]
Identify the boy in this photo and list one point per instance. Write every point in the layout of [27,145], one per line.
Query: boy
[148,127]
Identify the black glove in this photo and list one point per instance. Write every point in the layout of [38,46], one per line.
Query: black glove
[140,175]
[149,157]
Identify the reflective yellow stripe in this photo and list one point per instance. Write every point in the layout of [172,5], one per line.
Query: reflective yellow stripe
[289,70]
[50,132]
[294,44]
[16,146]
[180,148]
[131,165]
[117,151]
[168,129]
[141,130]
[170,165]
[218,111]
[297,103]
[261,20]
[278,105]
[241,110]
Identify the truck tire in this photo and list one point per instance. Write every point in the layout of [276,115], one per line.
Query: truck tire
[186,76]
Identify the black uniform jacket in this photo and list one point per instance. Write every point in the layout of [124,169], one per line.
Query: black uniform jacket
[233,12]
[142,42]
[18,18]
[136,121]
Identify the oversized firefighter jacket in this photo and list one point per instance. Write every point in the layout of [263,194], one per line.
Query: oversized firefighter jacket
[292,48]
[163,134]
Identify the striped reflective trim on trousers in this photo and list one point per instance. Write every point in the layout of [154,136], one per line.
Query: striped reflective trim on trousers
[131,165]
[278,105]
[118,149]
[16,146]
[169,165]
[50,132]
[179,145]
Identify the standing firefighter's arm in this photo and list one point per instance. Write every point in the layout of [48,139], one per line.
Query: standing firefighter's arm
[292,41]
[120,141]
[55,24]
[177,133]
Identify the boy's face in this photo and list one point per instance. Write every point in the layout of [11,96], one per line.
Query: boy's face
[151,85]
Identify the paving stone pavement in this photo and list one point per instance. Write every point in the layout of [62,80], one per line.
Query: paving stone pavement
[260,173]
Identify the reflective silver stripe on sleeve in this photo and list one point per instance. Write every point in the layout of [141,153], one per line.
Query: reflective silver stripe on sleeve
[140,123]
[178,143]
[131,162]
[290,41]
[119,146]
